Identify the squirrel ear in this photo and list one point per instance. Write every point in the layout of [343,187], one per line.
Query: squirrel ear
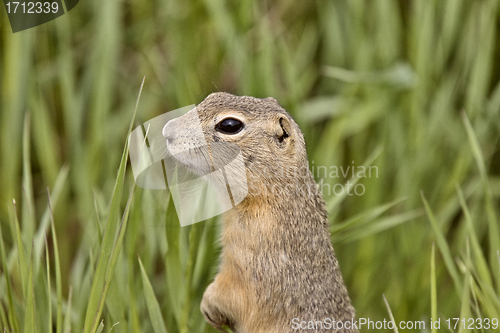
[283,130]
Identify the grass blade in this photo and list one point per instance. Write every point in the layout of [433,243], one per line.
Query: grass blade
[97,293]
[336,200]
[11,311]
[117,247]
[100,328]
[365,217]
[173,264]
[390,314]
[29,315]
[49,288]
[481,264]
[28,207]
[434,316]
[153,306]
[67,317]
[59,320]
[45,222]
[379,226]
[23,265]
[493,233]
[443,247]
[466,297]
[194,234]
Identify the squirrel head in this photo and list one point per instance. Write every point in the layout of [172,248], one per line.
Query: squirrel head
[212,134]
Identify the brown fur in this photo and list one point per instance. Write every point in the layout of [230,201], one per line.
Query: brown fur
[277,260]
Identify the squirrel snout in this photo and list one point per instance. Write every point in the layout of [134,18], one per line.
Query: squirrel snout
[168,130]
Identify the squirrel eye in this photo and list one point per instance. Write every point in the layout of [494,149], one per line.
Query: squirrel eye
[229,126]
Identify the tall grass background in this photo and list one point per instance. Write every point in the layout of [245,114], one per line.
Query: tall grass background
[411,87]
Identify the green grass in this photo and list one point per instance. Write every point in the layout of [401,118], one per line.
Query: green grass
[411,87]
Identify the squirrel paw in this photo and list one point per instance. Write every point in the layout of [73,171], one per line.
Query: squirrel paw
[212,314]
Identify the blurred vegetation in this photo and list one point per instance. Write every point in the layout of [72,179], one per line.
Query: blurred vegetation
[411,87]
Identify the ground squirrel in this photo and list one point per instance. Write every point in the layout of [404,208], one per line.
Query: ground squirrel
[278,271]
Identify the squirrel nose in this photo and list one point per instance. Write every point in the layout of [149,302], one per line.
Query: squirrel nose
[168,130]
